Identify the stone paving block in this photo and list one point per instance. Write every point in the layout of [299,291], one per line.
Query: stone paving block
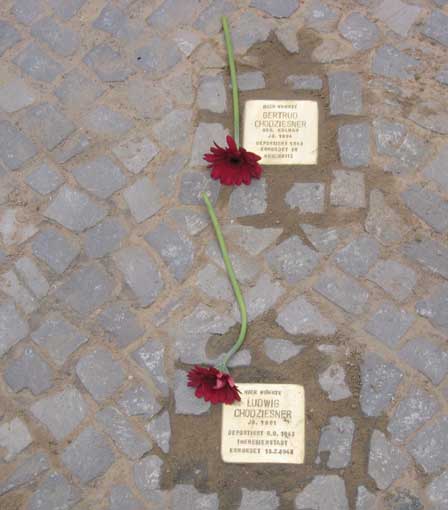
[185,400]
[171,13]
[300,317]
[278,9]
[252,240]
[262,500]
[140,273]
[151,356]
[304,82]
[209,20]
[121,498]
[242,38]
[343,291]
[435,170]
[387,463]
[139,401]
[118,427]
[188,220]
[147,475]
[14,438]
[245,267]
[9,36]
[389,324]
[354,144]
[28,371]
[47,125]
[287,36]
[365,500]
[187,41]
[252,80]
[166,175]
[392,63]
[348,189]
[15,147]
[427,357]
[215,283]
[108,64]
[86,289]
[44,179]
[11,286]
[430,446]
[26,472]
[308,197]
[325,492]
[73,146]
[61,412]
[26,11]
[211,94]
[12,327]
[187,497]
[394,278]
[415,409]
[158,56]
[59,38]
[32,276]
[280,350]
[437,492]
[77,91]
[159,429]
[332,381]
[114,21]
[174,130]
[176,249]
[428,206]
[321,17]
[398,16]
[325,240]
[105,238]
[383,222]
[431,254]
[292,260]
[37,64]
[100,373]
[431,115]
[435,307]
[402,499]
[442,76]
[358,256]
[101,176]
[88,456]
[380,381]
[345,93]
[436,27]
[336,439]
[54,493]
[135,153]
[149,99]
[361,32]
[75,210]
[143,199]
[15,95]
[15,228]
[206,134]
[66,9]
[108,123]
[58,337]
[388,136]
[121,324]
[248,200]
[54,249]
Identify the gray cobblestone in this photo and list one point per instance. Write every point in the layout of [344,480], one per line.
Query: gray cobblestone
[14,438]
[166,176]
[436,27]
[13,328]
[66,9]
[281,350]
[336,438]
[32,276]
[11,286]
[321,17]
[139,401]
[380,381]
[105,238]
[171,13]
[431,254]
[73,146]
[262,500]
[308,197]
[107,123]
[37,64]
[15,95]
[185,400]
[100,373]
[173,131]
[100,176]
[58,337]
[365,500]
[389,324]
[147,475]
[114,21]
[44,179]
[431,115]
[252,80]
[332,381]
[54,493]
[108,64]
[323,493]
[140,273]
[442,76]
[135,153]
[121,498]
[60,39]
[435,170]
[9,36]
[206,134]
[26,11]
[398,16]
[359,256]
[394,278]
[426,357]
[361,32]
[158,56]
[324,240]
[345,93]
[437,492]
[61,413]
[382,221]
[392,63]
[15,147]
[248,201]
[430,446]
[54,249]
[304,82]
[26,472]
[354,144]
[214,283]
[151,357]
[209,21]
[212,94]
[244,39]
[160,429]
[143,199]
[250,239]
[428,206]
[29,371]
[77,90]
[121,324]
[88,456]
[188,220]
[261,297]
[434,307]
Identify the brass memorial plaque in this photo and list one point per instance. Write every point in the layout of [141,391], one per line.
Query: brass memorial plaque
[282,132]
[267,426]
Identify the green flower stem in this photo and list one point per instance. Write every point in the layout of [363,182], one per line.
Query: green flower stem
[233,79]
[233,281]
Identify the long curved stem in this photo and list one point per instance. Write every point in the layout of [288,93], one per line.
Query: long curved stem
[233,79]
[235,286]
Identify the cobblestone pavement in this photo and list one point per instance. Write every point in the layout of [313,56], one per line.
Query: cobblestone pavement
[112,284]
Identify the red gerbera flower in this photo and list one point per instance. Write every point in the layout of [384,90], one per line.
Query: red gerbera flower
[233,165]
[213,385]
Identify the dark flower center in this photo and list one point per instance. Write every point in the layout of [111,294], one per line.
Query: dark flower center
[235,160]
